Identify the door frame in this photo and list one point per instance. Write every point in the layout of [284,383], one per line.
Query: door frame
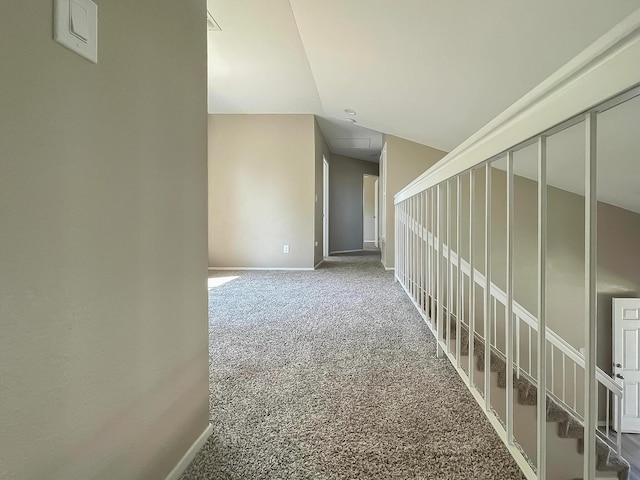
[325,207]
[383,200]
[375,209]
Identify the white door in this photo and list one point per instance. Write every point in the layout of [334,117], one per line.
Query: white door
[383,198]
[626,360]
[325,207]
[368,209]
[375,214]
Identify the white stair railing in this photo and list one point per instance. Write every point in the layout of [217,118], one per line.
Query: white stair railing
[447,290]
[562,386]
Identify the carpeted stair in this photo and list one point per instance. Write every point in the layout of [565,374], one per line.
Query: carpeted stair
[568,425]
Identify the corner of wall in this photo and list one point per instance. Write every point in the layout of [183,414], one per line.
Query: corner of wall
[404,161]
[271,183]
[321,149]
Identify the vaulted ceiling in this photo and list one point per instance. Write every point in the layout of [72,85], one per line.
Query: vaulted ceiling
[431,71]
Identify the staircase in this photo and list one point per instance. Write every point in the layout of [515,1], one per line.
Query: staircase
[568,425]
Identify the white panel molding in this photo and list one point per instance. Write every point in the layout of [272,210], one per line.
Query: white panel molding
[186,459]
[608,67]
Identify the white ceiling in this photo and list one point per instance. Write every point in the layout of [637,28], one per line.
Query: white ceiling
[257,63]
[431,71]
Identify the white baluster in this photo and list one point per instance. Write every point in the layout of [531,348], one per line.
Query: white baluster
[472,268]
[553,383]
[607,413]
[575,388]
[530,365]
[508,316]
[487,289]
[440,273]
[459,282]
[590,245]
[518,346]
[563,377]
[542,307]
[448,264]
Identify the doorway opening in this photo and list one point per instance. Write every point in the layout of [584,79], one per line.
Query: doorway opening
[325,207]
[370,212]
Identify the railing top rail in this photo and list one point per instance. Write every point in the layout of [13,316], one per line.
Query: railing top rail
[607,67]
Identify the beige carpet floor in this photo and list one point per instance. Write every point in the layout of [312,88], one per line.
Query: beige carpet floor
[332,374]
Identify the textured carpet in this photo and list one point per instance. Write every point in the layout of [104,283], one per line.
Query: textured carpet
[332,374]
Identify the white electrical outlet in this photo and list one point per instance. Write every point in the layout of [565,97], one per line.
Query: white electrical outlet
[285,249]
[316,243]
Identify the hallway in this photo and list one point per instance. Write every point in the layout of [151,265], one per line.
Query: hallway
[332,374]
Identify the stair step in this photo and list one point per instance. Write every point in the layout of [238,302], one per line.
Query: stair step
[478,345]
[555,413]
[601,447]
[502,379]
[616,464]
[608,461]
[496,363]
[527,395]
[570,428]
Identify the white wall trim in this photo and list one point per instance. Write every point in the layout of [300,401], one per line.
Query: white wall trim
[302,269]
[606,68]
[369,241]
[318,264]
[389,269]
[186,459]
[347,251]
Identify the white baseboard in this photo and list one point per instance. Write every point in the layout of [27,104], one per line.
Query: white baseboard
[347,251]
[318,264]
[389,269]
[369,241]
[261,268]
[186,459]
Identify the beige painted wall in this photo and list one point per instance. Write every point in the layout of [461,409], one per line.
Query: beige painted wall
[405,161]
[261,191]
[103,305]
[321,149]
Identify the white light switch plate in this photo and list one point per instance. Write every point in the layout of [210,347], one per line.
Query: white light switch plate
[75,25]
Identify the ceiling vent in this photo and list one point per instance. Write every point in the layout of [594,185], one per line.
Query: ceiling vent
[212,25]
[350,142]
